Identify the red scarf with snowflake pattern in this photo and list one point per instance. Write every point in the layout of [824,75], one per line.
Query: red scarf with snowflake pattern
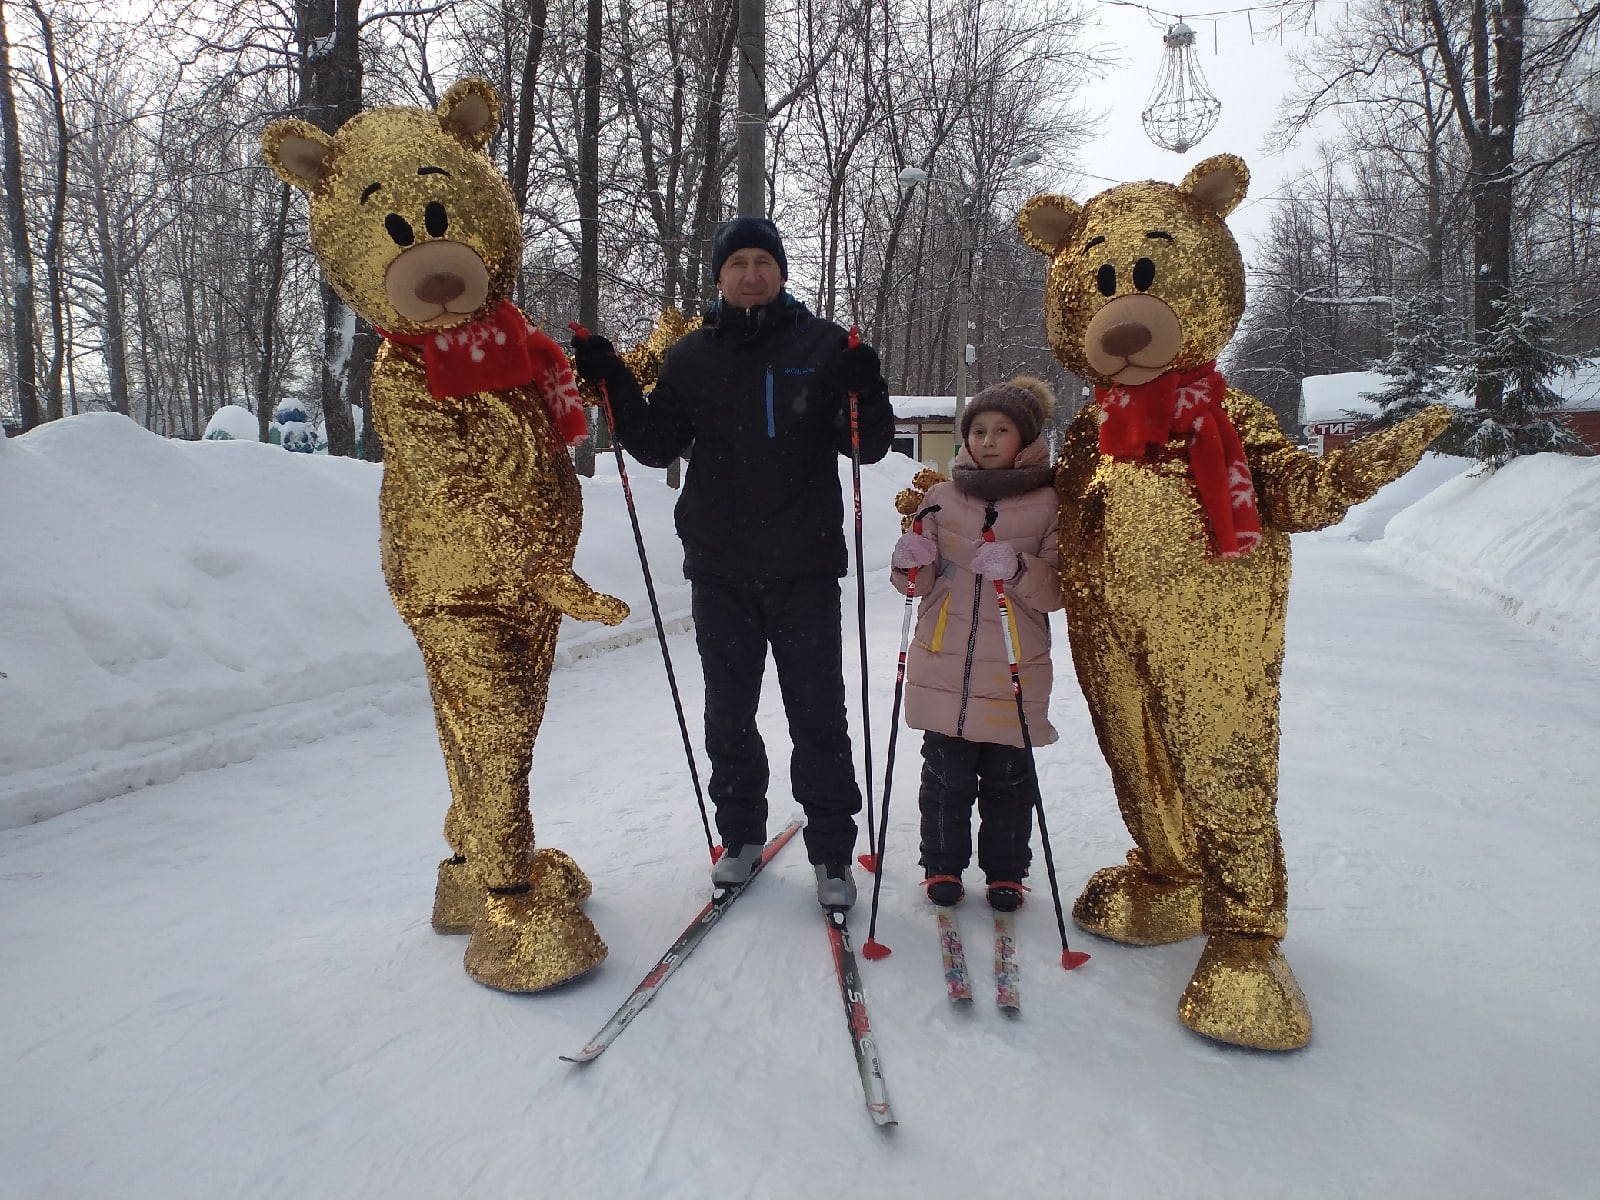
[500,353]
[1137,421]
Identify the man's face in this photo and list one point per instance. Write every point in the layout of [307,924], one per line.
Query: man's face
[750,278]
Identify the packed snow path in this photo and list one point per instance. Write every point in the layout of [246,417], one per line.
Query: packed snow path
[226,986]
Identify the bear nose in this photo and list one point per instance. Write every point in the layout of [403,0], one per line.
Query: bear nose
[1130,337]
[439,288]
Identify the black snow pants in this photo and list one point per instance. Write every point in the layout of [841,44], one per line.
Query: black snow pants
[956,772]
[800,620]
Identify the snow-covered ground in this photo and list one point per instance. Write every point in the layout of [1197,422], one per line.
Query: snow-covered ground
[218,979]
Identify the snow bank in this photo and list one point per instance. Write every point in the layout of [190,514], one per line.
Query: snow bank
[1526,538]
[158,597]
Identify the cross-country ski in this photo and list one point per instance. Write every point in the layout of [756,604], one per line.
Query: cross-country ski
[693,933]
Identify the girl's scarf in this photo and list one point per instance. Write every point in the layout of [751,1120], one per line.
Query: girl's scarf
[1137,422]
[1030,472]
[501,353]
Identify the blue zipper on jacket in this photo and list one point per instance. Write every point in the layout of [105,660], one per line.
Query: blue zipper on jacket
[772,423]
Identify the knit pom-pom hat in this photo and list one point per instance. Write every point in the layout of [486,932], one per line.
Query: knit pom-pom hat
[1027,401]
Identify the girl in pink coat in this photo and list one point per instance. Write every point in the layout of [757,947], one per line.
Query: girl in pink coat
[958,676]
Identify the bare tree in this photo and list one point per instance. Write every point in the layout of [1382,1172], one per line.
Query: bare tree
[23,315]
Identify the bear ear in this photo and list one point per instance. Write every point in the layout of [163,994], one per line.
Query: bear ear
[471,111]
[297,152]
[1046,220]
[1217,184]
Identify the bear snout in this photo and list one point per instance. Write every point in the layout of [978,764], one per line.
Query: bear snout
[1125,339]
[437,282]
[1132,339]
[439,288]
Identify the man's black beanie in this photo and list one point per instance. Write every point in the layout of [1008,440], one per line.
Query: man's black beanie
[747,233]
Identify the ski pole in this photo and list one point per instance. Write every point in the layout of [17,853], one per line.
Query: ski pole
[1069,958]
[655,606]
[872,948]
[866,860]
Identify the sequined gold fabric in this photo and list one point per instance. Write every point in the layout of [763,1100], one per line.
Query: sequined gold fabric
[1243,993]
[457,898]
[480,508]
[1179,652]
[1196,264]
[1131,905]
[533,940]
[908,502]
[645,359]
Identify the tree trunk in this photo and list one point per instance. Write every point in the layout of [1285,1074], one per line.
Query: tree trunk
[22,311]
[267,369]
[523,153]
[330,94]
[59,349]
[114,333]
[1486,86]
[589,210]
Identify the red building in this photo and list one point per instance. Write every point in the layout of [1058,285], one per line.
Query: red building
[1332,410]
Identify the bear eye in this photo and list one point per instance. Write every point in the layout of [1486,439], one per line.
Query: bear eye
[1144,274]
[436,219]
[399,230]
[1106,280]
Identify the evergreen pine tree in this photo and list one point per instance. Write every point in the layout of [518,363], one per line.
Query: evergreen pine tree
[1522,359]
[1421,367]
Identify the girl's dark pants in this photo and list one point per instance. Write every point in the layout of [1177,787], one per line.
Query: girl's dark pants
[956,772]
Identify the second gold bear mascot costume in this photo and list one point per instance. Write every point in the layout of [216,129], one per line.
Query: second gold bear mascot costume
[1177,496]
[480,506]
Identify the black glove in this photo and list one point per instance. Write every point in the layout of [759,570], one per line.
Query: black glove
[860,369]
[594,358]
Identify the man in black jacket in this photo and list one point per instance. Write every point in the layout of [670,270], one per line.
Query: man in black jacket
[761,393]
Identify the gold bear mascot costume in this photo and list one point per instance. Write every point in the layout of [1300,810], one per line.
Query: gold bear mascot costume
[480,506]
[1177,496]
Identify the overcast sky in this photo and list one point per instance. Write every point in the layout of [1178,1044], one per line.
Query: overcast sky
[1248,77]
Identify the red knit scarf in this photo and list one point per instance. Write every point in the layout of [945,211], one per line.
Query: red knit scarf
[501,353]
[1136,422]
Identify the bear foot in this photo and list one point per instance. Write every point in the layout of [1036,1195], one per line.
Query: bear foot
[1132,906]
[1243,993]
[533,940]
[458,897]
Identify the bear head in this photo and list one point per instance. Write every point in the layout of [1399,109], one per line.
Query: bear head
[413,225]
[1144,278]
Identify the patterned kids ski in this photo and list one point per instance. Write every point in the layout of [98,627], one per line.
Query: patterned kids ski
[958,985]
[1006,977]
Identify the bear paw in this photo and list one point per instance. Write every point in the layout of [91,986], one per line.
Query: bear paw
[564,591]
[526,942]
[1243,993]
[1128,905]
[457,898]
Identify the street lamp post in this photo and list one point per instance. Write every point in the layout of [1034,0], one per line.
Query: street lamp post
[910,178]
[963,305]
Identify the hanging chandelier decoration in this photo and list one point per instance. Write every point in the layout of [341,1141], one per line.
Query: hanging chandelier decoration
[1182,109]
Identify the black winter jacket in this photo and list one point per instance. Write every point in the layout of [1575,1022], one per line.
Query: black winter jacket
[756,392]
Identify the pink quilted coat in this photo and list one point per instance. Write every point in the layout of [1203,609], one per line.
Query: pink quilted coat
[959,682]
